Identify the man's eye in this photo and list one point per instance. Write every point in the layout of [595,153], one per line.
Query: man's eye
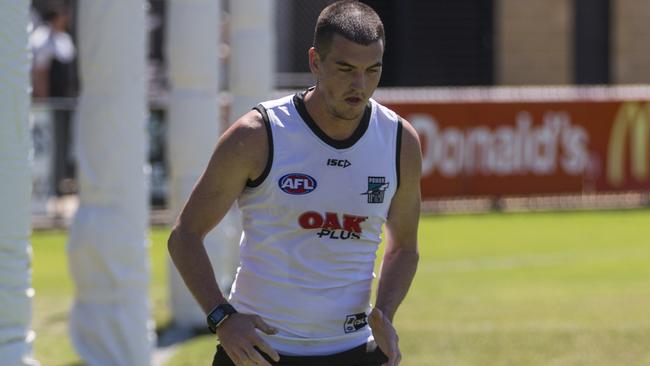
[373,71]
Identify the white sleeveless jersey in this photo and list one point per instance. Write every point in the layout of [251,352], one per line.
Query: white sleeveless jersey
[312,224]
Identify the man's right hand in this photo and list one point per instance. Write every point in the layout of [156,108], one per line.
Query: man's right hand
[238,338]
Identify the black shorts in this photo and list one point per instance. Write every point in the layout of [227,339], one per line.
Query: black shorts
[364,355]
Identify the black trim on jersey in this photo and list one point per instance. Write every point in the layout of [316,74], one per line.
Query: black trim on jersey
[267,169]
[299,101]
[398,149]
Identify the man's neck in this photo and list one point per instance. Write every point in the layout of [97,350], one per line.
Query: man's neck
[335,128]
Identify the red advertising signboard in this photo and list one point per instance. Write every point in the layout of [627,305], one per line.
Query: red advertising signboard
[522,148]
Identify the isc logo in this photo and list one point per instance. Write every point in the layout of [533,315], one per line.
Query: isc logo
[296,183]
[343,163]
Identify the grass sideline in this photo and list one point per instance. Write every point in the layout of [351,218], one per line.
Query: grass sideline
[568,288]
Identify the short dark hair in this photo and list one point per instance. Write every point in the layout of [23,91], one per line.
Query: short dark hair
[54,9]
[351,19]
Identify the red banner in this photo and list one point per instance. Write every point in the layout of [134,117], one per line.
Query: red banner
[521,148]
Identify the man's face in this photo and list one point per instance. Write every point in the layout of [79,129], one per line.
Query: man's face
[347,76]
[61,21]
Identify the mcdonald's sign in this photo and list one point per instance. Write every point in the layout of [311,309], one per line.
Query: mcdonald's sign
[484,148]
[630,135]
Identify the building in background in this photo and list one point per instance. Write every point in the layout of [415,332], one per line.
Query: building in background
[492,42]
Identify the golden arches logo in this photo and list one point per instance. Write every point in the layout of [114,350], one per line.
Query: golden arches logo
[633,120]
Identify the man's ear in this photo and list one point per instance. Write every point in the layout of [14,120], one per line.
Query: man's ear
[314,61]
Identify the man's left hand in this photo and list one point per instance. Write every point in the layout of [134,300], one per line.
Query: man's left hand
[386,336]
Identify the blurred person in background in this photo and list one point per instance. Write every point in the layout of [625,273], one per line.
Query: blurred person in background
[316,175]
[54,76]
[53,54]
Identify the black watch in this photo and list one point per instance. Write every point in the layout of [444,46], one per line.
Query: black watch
[218,315]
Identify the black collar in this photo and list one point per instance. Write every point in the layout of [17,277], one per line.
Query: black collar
[299,102]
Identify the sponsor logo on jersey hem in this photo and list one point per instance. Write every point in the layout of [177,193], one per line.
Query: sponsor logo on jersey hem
[355,322]
[376,188]
[297,183]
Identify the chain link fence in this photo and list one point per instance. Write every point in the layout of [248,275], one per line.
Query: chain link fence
[295,22]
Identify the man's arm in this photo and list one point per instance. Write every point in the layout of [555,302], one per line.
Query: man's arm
[241,154]
[40,81]
[401,252]
[231,164]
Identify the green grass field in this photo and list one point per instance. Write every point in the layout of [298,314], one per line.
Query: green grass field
[570,288]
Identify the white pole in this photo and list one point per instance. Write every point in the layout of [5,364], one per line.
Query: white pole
[109,321]
[252,63]
[15,274]
[193,37]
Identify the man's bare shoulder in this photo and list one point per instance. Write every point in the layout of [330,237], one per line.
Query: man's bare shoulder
[247,140]
[250,126]
[411,150]
[248,132]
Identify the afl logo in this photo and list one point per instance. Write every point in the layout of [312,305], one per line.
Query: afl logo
[296,183]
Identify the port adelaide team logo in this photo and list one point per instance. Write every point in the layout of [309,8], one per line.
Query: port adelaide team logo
[297,183]
[376,188]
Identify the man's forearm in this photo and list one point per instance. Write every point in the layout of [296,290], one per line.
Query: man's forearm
[193,264]
[40,82]
[397,272]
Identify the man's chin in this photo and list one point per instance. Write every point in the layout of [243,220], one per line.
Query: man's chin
[350,115]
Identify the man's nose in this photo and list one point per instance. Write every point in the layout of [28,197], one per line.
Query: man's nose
[358,81]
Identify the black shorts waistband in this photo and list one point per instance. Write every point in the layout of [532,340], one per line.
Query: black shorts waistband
[366,354]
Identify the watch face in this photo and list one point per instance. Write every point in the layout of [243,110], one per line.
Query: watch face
[217,315]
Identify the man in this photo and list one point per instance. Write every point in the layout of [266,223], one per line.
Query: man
[54,76]
[315,175]
[53,54]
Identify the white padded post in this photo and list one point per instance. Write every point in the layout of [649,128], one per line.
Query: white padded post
[15,142]
[252,64]
[110,319]
[193,36]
